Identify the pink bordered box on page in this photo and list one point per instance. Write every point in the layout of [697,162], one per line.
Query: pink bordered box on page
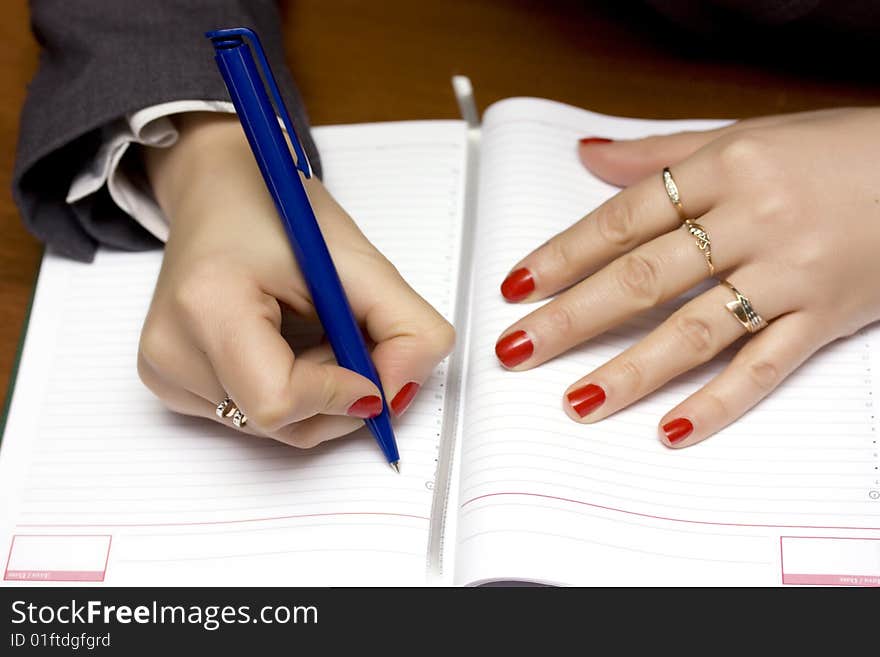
[58,558]
[830,560]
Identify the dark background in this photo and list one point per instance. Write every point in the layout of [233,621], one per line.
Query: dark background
[477,621]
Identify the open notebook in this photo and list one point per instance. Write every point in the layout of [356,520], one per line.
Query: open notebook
[100,484]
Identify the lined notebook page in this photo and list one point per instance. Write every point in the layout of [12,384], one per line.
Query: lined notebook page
[544,498]
[89,452]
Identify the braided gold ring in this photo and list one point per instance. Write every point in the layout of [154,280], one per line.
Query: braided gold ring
[701,238]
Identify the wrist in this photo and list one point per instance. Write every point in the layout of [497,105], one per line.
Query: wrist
[206,142]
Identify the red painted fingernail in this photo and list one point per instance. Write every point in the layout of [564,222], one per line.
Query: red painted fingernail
[518,285]
[587,399]
[366,407]
[513,349]
[678,429]
[404,398]
[594,140]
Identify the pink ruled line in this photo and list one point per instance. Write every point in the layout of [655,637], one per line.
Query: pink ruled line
[225,522]
[648,515]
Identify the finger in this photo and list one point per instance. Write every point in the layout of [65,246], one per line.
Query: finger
[759,367]
[634,216]
[184,401]
[322,353]
[257,368]
[313,431]
[173,356]
[625,162]
[174,397]
[691,336]
[651,274]
[305,434]
[411,337]
[186,383]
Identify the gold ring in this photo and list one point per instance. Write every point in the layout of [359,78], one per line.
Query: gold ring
[701,238]
[672,193]
[227,408]
[742,309]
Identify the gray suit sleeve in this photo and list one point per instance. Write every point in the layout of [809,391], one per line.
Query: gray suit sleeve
[100,60]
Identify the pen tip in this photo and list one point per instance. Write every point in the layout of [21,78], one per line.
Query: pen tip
[396,466]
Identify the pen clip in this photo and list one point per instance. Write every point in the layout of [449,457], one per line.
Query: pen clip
[302,160]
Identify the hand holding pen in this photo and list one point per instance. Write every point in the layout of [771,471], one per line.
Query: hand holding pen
[213,328]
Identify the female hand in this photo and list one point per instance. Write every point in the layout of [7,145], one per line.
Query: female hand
[791,205]
[213,328]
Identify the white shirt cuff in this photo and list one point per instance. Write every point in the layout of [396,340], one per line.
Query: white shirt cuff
[151,127]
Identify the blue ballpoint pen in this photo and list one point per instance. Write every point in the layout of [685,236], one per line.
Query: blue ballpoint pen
[281,174]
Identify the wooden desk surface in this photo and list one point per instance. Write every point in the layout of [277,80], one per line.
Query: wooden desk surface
[373,61]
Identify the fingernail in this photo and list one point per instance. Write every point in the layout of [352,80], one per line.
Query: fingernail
[587,399]
[518,285]
[586,141]
[404,397]
[678,429]
[513,349]
[366,407]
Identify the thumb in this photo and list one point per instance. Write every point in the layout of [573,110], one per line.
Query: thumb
[411,339]
[625,162]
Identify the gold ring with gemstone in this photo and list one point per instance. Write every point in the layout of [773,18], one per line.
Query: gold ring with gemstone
[741,308]
[672,193]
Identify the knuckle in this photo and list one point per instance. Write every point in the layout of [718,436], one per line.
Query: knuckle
[198,288]
[715,405]
[776,209]
[330,392]
[763,374]
[743,151]
[809,257]
[146,374]
[560,254]
[561,319]
[696,334]
[271,412]
[634,374]
[833,329]
[292,435]
[302,438]
[310,439]
[155,347]
[775,203]
[271,309]
[639,278]
[442,337]
[190,295]
[615,224]
[309,435]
